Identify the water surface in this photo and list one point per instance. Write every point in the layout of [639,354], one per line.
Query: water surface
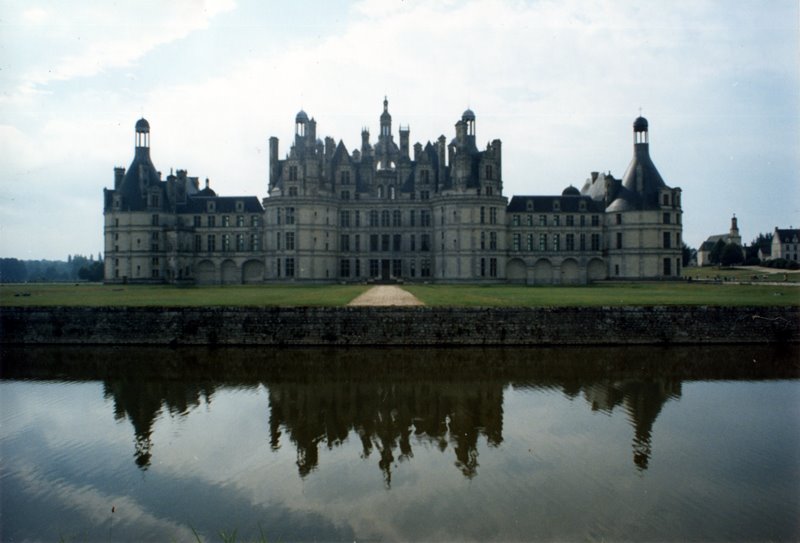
[135,444]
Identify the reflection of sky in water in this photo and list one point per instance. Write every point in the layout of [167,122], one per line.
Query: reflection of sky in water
[546,461]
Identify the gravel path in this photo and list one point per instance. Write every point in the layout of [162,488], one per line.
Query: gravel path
[386,295]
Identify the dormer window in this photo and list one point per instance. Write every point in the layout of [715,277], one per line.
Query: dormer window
[556,205]
[211,207]
[239,206]
[582,206]
[529,205]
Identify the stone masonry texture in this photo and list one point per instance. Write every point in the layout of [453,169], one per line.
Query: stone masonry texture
[342,326]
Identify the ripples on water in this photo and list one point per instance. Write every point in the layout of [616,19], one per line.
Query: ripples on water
[461,444]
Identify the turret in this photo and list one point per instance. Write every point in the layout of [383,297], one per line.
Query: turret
[404,137]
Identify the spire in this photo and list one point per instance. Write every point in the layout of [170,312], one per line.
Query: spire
[386,120]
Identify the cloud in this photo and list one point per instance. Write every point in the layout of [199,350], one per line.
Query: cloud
[81,40]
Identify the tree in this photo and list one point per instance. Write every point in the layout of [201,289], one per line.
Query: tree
[716,252]
[686,254]
[731,254]
[13,270]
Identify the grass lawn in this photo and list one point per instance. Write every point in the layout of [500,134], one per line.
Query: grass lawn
[95,294]
[607,294]
[743,273]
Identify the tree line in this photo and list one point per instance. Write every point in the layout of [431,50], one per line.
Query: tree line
[75,268]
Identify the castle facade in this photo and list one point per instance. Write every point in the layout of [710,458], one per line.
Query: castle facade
[392,212]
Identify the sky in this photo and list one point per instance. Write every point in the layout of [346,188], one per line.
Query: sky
[558,81]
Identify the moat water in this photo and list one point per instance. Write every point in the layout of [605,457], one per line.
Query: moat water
[137,444]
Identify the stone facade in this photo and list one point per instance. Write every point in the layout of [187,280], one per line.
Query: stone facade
[392,212]
[704,252]
[786,244]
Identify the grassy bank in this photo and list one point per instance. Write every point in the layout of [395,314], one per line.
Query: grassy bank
[755,274]
[611,294]
[95,294]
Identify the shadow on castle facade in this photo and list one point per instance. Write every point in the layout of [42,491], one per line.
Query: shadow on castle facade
[389,211]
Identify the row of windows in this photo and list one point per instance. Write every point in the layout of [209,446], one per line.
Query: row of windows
[378,268]
[225,221]
[540,242]
[555,220]
[228,242]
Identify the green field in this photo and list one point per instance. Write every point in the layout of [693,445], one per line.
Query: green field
[95,294]
[749,274]
[608,294]
[604,294]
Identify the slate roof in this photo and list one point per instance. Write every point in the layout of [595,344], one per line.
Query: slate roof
[222,204]
[544,204]
[788,235]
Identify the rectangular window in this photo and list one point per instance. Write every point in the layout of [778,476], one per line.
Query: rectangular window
[344,218]
[556,240]
[542,220]
[197,222]
[425,267]
[483,215]
[583,242]
[344,243]
[425,242]
[344,268]
[595,242]
[292,173]
[240,242]
[667,218]
[255,242]
[357,272]
[483,267]
[667,267]
[530,219]
[226,242]
[619,218]
[290,267]
[492,267]
[515,220]
[385,217]
[570,220]
[373,218]
[278,214]
[198,243]
[385,242]
[240,221]
[254,221]
[211,243]
[570,242]
[492,241]
[556,220]
[374,268]
[667,237]
[412,242]
[542,242]
[289,215]
[529,244]
[396,218]
[344,178]
[516,242]
[397,268]
[154,220]
[492,215]
[211,220]
[397,242]
[619,240]
[290,241]
[425,217]
[226,221]
[413,217]
[483,240]
[278,237]
[595,220]
[583,220]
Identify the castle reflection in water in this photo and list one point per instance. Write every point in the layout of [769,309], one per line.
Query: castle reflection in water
[390,400]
